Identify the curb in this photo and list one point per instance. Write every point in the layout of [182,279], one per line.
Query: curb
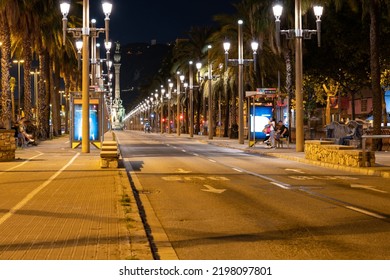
[362,170]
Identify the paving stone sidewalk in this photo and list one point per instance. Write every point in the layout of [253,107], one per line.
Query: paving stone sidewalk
[58,204]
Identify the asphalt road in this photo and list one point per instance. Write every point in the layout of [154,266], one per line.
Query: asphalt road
[219,203]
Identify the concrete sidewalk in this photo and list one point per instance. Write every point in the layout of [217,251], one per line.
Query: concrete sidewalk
[58,204]
[382,167]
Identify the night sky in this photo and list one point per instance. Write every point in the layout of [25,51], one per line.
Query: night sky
[141,21]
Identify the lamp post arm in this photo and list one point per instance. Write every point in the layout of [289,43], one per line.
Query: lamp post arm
[233,62]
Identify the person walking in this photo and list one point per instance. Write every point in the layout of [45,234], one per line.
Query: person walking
[272,132]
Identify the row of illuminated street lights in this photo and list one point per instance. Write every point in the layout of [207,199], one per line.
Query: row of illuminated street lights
[298,34]
[18,113]
[146,107]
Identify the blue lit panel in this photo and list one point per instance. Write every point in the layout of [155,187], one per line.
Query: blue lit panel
[93,122]
[260,119]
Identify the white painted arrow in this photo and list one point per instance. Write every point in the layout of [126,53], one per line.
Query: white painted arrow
[213,190]
[371,188]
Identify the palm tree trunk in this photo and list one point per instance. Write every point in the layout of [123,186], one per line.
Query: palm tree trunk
[289,88]
[5,38]
[67,84]
[43,101]
[55,98]
[27,54]
[198,109]
[375,72]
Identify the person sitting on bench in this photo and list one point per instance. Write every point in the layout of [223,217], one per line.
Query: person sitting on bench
[282,131]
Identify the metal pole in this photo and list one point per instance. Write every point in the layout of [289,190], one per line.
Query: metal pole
[162,113]
[299,133]
[85,80]
[191,113]
[169,110]
[240,85]
[219,112]
[93,53]
[210,117]
[178,105]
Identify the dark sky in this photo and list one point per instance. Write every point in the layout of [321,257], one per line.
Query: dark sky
[140,21]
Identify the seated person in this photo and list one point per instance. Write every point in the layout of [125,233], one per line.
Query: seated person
[22,130]
[282,131]
[266,131]
[349,136]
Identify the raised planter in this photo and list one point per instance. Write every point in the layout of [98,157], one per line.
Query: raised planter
[7,145]
[338,154]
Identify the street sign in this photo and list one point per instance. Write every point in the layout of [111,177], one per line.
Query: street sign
[266,90]
[262,92]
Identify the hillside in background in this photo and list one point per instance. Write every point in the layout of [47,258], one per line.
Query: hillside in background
[141,62]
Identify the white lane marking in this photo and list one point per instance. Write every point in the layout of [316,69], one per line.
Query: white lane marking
[31,195]
[312,177]
[212,190]
[295,170]
[183,151]
[21,164]
[181,170]
[195,155]
[212,160]
[365,212]
[371,188]
[193,178]
[269,179]
[280,185]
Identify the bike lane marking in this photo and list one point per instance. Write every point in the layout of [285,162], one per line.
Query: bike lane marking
[21,164]
[31,195]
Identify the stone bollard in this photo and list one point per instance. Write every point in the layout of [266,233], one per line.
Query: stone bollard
[7,145]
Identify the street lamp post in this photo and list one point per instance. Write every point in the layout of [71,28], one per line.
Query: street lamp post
[210,101]
[298,34]
[240,62]
[179,80]
[191,86]
[198,67]
[84,32]
[170,86]
[19,89]
[162,110]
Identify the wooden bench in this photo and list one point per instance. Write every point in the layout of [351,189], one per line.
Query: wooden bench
[109,154]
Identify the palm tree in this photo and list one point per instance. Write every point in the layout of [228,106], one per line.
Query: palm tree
[373,9]
[5,38]
[48,46]
[23,30]
[257,26]
[192,49]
